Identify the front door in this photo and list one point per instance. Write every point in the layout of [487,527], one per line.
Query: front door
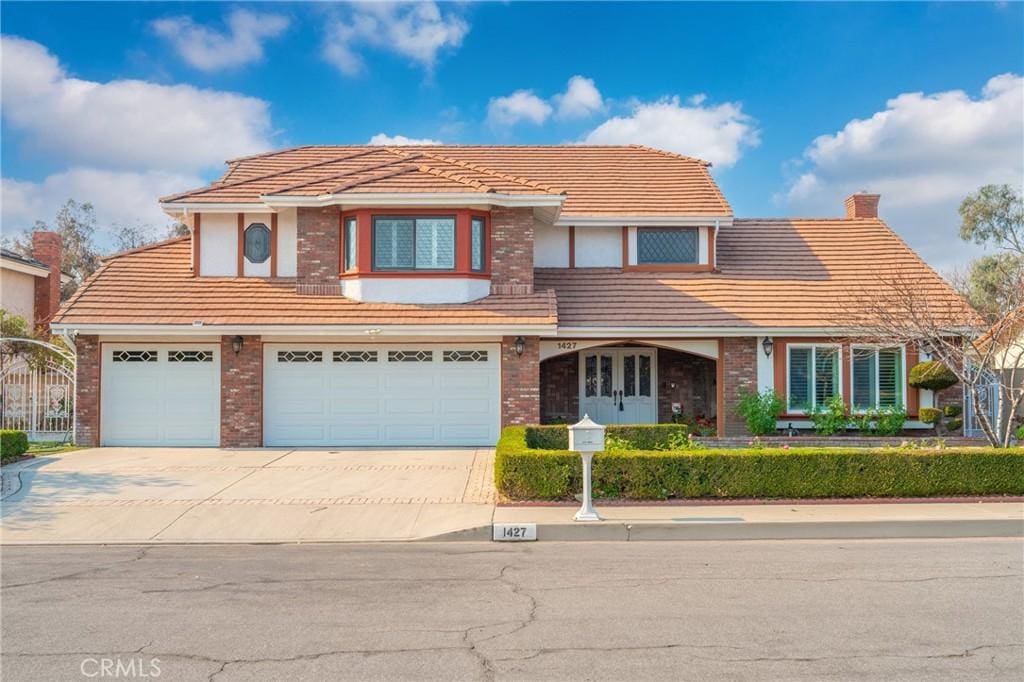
[618,385]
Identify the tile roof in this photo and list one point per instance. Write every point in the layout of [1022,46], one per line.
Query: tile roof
[154,285]
[596,180]
[800,273]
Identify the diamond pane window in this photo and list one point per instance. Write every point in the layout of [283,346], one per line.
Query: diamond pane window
[190,356]
[350,243]
[435,243]
[410,356]
[392,243]
[257,243]
[414,243]
[355,356]
[134,356]
[660,245]
[300,356]
[464,356]
[477,244]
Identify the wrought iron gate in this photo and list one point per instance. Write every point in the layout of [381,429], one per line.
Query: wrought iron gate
[988,402]
[37,389]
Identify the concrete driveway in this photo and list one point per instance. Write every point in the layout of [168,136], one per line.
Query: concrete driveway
[110,495]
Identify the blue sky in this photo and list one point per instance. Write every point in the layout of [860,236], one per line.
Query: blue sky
[796,104]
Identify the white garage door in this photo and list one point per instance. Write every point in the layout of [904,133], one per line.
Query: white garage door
[160,394]
[415,395]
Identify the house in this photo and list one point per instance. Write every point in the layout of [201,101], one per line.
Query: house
[30,287]
[418,296]
[1001,349]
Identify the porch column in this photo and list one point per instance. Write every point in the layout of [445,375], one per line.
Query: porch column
[241,393]
[520,381]
[737,373]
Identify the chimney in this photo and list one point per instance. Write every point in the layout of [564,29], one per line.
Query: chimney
[862,205]
[47,249]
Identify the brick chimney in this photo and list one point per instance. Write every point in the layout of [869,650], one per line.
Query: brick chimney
[862,205]
[47,249]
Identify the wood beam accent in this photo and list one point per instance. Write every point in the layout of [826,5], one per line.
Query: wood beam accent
[241,245]
[196,260]
[273,245]
[572,246]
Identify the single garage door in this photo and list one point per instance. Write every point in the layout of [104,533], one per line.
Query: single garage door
[160,394]
[412,395]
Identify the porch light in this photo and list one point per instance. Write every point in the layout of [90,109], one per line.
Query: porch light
[236,344]
[767,345]
[519,345]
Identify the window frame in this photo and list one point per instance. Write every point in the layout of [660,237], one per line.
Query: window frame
[349,243]
[251,227]
[695,231]
[814,373]
[415,220]
[473,220]
[901,380]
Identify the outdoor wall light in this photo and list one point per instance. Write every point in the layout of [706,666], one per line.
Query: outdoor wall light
[236,344]
[519,345]
[767,345]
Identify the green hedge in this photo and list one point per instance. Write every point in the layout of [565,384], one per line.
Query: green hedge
[12,444]
[641,436]
[524,472]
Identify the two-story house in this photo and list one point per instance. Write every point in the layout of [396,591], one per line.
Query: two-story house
[418,296]
[30,286]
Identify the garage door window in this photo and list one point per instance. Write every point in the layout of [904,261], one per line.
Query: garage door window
[190,356]
[134,356]
[300,356]
[355,356]
[410,356]
[465,356]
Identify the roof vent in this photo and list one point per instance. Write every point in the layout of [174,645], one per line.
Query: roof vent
[862,205]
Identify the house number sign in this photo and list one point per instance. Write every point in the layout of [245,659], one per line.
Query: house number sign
[515,532]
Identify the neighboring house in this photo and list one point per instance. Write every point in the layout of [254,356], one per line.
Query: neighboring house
[1004,343]
[30,287]
[333,296]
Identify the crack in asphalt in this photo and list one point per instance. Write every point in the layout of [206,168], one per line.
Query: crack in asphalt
[141,554]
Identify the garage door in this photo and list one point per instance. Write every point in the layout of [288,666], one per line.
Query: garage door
[160,394]
[412,395]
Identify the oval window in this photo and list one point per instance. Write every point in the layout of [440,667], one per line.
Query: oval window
[257,243]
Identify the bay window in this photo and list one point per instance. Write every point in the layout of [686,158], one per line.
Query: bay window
[877,378]
[477,235]
[350,244]
[413,243]
[813,375]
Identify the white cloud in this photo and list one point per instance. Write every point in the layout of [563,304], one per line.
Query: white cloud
[417,30]
[125,123]
[923,153]
[580,99]
[398,140]
[210,50]
[719,134]
[521,105]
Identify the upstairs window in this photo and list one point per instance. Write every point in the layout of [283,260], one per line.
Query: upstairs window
[813,376]
[877,378]
[477,236]
[402,243]
[350,244]
[666,246]
[257,243]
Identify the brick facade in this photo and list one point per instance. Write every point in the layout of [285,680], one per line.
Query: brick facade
[686,379]
[241,393]
[512,250]
[520,382]
[87,399]
[47,248]
[560,389]
[318,244]
[739,374]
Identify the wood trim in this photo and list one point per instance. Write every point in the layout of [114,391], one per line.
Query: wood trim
[913,394]
[720,388]
[273,245]
[413,274]
[711,247]
[572,246]
[669,267]
[241,245]
[625,248]
[197,262]
[779,350]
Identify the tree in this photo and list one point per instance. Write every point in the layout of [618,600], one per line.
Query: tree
[989,283]
[128,237]
[994,215]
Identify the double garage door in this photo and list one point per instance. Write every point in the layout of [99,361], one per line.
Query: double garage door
[313,394]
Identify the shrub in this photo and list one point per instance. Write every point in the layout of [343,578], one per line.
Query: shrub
[13,444]
[929,415]
[952,410]
[637,436]
[525,473]
[830,418]
[760,410]
[886,421]
[954,424]
[1020,433]
[931,375]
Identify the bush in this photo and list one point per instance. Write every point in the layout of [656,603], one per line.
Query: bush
[637,436]
[931,375]
[1020,433]
[954,424]
[760,410]
[830,418]
[12,444]
[952,410]
[525,473]
[885,421]
[929,415]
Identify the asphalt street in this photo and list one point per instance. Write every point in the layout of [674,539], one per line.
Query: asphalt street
[757,610]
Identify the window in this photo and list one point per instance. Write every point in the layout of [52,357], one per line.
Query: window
[464,356]
[477,244]
[877,378]
[134,356]
[414,243]
[257,243]
[300,356]
[666,245]
[190,356]
[410,356]
[350,244]
[813,376]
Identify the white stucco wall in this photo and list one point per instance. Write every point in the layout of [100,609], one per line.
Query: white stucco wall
[18,294]
[218,245]
[598,247]
[550,246]
[286,244]
[765,368]
[415,289]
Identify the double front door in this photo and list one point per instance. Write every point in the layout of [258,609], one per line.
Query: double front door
[618,385]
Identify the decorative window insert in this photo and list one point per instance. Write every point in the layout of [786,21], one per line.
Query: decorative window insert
[257,243]
[478,235]
[813,376]
[410,356]
[190,356]
[350,244]
[134,356]
[877,378]
[464,356]
[300,356]
[666,245]
[414,243]
[355,356]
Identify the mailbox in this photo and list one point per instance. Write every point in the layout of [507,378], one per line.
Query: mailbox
[586,436]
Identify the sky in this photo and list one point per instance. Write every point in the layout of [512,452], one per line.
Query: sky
[796,105]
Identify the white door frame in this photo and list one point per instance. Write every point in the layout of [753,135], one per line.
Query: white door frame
[607,410]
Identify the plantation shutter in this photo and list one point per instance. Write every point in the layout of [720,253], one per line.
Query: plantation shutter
[800,372]
[890,377]
[865,364]
[826,374]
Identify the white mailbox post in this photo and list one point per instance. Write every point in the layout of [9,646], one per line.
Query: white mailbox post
[586,437]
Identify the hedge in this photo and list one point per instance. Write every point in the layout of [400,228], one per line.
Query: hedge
[524,472]
[12,444]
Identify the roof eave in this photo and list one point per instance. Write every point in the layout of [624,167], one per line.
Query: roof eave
[417,199]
